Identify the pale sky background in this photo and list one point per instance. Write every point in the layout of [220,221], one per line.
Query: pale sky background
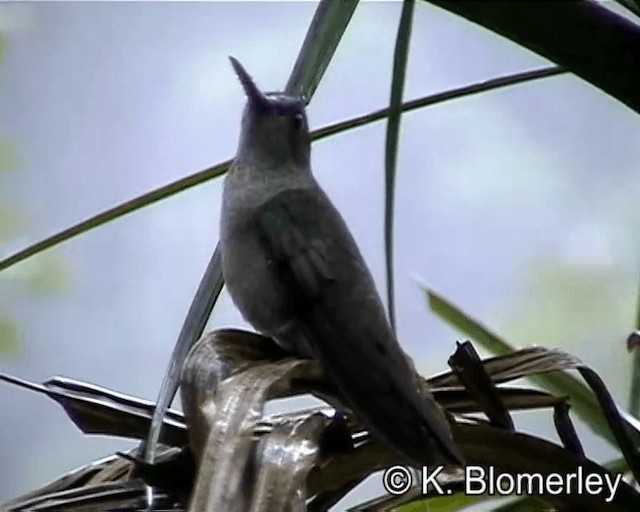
[520,205]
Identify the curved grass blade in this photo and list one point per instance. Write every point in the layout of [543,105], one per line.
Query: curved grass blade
[202,304]
[598,45]
[631,5]
[400,58]
[450,503]
[583,400]
[439,97]
[117,211]
[199,177]
[325,32]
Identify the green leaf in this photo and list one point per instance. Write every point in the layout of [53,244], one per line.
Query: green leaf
[400,58]
[440,97]
[325,32]
[116,212]
[12,221]
[631,5]
[49,276]
[8,161]
[583,401]
[597,44]
[528,504]
[452,503]
[219,169]
[9,335]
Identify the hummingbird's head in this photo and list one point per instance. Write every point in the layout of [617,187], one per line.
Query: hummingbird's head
[274,126]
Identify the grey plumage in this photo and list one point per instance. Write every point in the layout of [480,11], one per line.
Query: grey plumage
[295,273]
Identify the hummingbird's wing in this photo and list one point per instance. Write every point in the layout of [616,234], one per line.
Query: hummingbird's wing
[331,298]
[300,260]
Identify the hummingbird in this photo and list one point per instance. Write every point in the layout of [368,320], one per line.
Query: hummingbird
[294,271]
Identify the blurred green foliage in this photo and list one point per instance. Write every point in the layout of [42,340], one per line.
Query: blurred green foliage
[8,329]
[7,156]
[44,275]
[8,334]
[571,304]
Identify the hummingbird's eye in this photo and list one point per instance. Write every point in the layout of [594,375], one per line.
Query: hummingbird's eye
[298,121]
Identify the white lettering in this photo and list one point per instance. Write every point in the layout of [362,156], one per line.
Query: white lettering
[613,486]
[431,479]
[474,474]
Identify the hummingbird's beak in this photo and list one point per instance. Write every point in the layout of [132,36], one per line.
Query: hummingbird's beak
[254,95]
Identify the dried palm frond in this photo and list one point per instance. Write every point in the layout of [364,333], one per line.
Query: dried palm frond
[225,454]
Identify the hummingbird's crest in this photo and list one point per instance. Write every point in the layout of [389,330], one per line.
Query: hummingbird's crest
[254,95]
[277,102]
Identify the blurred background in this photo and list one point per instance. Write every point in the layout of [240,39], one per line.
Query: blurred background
[519,205]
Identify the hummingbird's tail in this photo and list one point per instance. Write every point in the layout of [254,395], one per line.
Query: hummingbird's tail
[380,383]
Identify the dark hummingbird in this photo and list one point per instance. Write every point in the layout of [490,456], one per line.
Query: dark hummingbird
[296,274]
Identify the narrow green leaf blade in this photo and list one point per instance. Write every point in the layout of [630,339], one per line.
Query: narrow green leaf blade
[631,5]
[325,32]
[528,504]
[117,211]
[400,58]
[453,503]
[597,44]
[440,97]
[219,169]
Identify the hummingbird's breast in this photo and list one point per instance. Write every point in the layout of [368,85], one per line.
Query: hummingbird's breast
[247,270]
[248,186]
